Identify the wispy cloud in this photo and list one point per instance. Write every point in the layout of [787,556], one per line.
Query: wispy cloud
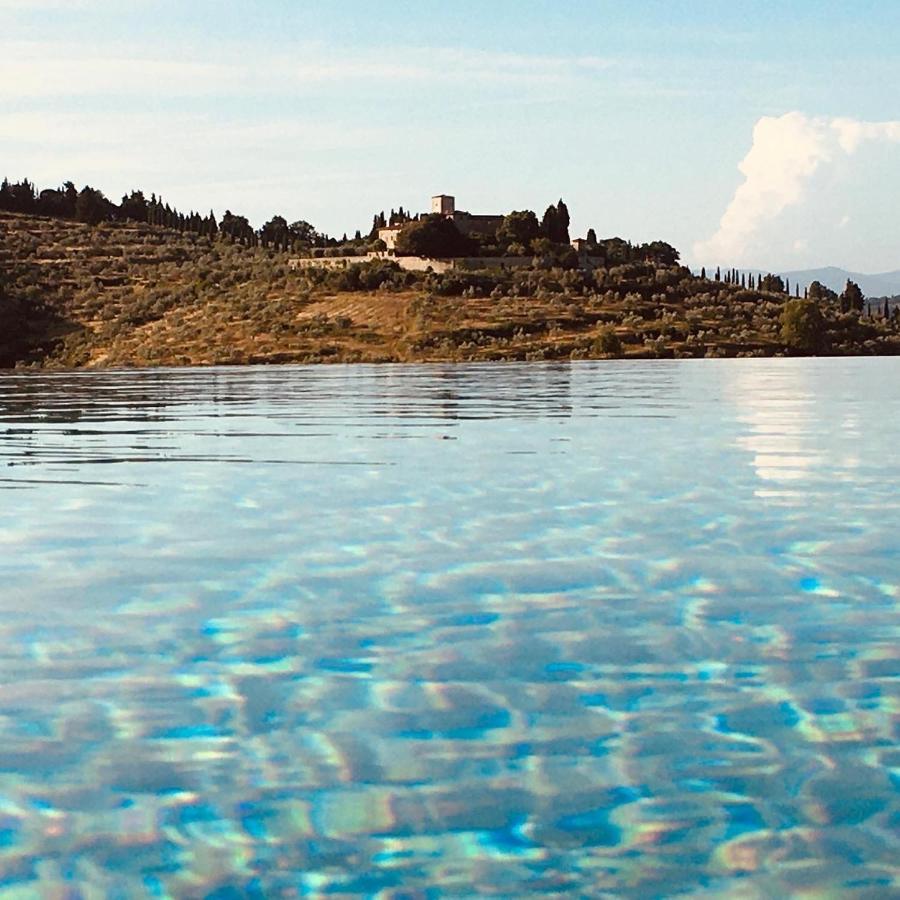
[787,152]
[31,70]
[28,79]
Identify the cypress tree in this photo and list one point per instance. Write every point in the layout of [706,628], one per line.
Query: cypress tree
[549,223]
[562,222]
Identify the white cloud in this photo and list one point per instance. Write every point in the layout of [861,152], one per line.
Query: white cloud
[31,70]
[35,69]
[787,152]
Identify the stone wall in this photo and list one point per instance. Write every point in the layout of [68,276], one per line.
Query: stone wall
[414,263]
[422,264]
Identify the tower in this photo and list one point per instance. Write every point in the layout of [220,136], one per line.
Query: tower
[443,204]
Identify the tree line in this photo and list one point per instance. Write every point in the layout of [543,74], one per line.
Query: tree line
[520,233]
[91,206]
[851,299]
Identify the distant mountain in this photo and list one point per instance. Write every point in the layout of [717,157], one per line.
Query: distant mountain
[884,285]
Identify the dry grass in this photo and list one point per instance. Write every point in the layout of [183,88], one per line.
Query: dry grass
[132,295]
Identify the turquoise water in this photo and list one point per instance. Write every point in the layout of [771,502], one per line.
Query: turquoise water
[614,629]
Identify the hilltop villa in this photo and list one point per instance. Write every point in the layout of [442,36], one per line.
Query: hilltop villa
[445,205]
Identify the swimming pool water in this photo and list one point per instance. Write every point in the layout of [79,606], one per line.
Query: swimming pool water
[595,629]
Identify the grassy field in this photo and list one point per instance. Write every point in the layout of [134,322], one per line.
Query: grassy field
[74,295]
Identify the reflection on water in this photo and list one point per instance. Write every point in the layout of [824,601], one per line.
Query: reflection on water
[469,631]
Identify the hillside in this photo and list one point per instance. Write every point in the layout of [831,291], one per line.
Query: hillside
[132,294]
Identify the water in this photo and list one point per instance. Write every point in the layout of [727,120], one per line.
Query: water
[622,629]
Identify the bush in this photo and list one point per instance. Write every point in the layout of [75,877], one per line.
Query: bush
[608,343]
[433,236]
[802,326]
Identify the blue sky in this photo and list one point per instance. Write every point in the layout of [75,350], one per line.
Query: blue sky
[638,114]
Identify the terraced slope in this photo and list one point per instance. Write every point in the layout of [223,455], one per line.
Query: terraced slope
[137,295]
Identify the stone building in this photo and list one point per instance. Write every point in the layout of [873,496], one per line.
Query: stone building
[444,205]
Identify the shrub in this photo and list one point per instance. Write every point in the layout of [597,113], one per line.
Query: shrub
[802,326]
[608,343]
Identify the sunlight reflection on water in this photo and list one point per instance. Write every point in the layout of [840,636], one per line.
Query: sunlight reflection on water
[474,630]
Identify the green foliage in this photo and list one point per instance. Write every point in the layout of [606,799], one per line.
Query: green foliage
[555,223]
[660,253]
[818,293]
[434,237]
[92,207]
[802,326]
[19,197]
[367,276]
[608,343]
[774,284]
[148,293]
[134,206]
[518,227]
[852,298]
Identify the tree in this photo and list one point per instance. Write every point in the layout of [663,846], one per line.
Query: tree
[608,343]
[555,223]
[771,283]
[275,231]
[134,206]
[818,292]
[549,226]
[378,221]
[18,197]
[305,233]
[52,202]
[92,207]
[236,227]
[562,222]
[519,227]
[802,326]
[852,297]
[661,253]
[591,238]
[433,236]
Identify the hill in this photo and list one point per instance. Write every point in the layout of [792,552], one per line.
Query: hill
[135,294]
[884,285]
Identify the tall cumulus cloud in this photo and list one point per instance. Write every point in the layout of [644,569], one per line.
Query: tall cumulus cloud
[786,152]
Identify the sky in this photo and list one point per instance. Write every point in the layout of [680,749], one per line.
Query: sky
[755,134]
